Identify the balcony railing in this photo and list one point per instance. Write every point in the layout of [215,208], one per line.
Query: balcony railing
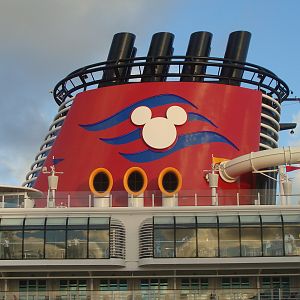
[150,199]
[166,294]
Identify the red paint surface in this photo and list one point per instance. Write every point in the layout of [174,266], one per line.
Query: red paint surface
[236,112]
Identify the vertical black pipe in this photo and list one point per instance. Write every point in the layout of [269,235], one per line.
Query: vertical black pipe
[199,45]
[161,45]
[122,47]
[237,49]
[128,69]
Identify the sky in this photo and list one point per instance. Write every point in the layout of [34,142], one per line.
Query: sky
[43,41]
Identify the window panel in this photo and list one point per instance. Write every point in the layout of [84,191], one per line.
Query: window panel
[185,240]
[11,242]
[164,243]
[292,240]
[55,244]
[98,243]
[251,241]
[207,242]
[77,244]
[272,241]
[33,244]
[229,242]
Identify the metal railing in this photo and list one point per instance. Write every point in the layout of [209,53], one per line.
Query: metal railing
[150,199]
[163,294]
[91,76]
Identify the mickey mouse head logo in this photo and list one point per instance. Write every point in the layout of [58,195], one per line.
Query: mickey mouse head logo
[159,132]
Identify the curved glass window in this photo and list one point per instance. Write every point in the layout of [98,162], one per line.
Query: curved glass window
[11,237]
[34,238]
[229,236]
[77,237]
[186,237]
[272,235]
[207,236]
[250,236]
[55,240]
[164,234]
[99,238]
[291,234]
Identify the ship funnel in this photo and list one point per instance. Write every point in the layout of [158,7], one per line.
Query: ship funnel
[199,45]
[169,182]
[100,184]
[122,47]
[135,183]
[161,46]
[236,50]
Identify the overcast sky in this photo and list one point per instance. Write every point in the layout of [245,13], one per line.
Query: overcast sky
[43,41]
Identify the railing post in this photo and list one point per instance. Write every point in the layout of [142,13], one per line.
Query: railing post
[90,200]
[153,204]
[196,202]
[258,198]
[238,199]
[69,200]
[110,200]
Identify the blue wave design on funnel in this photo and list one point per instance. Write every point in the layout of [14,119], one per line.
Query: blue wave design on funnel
[124,114]
[123,139]
[184,141]
[136,134]
[197,117]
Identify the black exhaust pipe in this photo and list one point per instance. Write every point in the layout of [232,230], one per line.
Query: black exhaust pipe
[199,45]
[237,49]
[122,47]
[161,45]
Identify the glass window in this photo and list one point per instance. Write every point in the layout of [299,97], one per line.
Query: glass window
[11,244]
[272,241]
[55,241]
[164,237]
[12,222]
[77,221]
[207,242]
[77,244]
[113,285]
[250,236]
[229,242]
[34,238]
[185,237]
[272,235]
[55,244]
[291,234]
[56,221]
[31,289]
[98,243]
[251,241]
[154,284]
[33,244]
[99,221]
[194,283]
[75,289]
[207,235]
[229,236]
[235,282]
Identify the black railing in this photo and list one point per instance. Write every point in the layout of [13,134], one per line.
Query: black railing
[91,77]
